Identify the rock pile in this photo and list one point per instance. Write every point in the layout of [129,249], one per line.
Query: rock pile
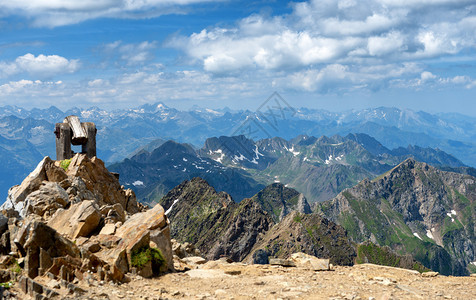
[70,219]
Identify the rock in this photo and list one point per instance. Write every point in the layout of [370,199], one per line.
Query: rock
[53,284]
[136,234]
[281,262]
[311,262]
[141,228]
[40,244]
[92,246]
[146,270]
[101,182]
[113,213]
[3,224]
[429,274]
[107,241]
[79,220]
[260,257]
[17,194]
[108,229]
[220,293]
[195,260]
[45,201]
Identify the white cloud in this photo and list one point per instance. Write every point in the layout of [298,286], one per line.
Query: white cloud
[41,66]
[382,45]
[53,13]
[325,43]
[427,76]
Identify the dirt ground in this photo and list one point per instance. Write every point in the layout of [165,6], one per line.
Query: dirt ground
[222,280]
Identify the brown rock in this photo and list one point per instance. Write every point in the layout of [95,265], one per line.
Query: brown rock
[430,274]
[79,220]
[101,182]
[310,262]
[108,229]
[54,173]
[45,201]
[113,213]
[155,223]
[35,237]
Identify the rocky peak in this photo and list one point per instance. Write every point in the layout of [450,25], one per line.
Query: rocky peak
[417,209]
[278,200]
[71,219]
[58,184]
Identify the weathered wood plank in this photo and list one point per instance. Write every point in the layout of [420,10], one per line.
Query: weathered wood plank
[63,138]
[80,136]
[90,147]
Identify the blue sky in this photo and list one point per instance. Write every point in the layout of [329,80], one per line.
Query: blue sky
[330,54]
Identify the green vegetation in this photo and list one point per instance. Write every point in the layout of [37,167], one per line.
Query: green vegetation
[139,258]
[7,285]
[297,218]
[65,164]
[15,267]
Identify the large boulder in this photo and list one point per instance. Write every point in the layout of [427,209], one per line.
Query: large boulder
[17,194]
[43,202]
[150,226]
[139,232]
[103,184]
[79,220]
[40,245]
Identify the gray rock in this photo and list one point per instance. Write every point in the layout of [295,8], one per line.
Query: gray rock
[260,257]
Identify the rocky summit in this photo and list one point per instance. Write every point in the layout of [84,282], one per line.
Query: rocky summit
[71,221]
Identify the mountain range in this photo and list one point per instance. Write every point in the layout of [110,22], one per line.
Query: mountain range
[122,132]
[319,168]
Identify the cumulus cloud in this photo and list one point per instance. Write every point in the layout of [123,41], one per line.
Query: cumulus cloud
[41,66]
[53,13]
[324,43]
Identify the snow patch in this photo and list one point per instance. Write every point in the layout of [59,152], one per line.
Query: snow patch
[171,206]
[295,153]
[239,158]
[257,153]
[137,183]
[417,235]
[219,159]
[451,216]
[332,158]
[429,234]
